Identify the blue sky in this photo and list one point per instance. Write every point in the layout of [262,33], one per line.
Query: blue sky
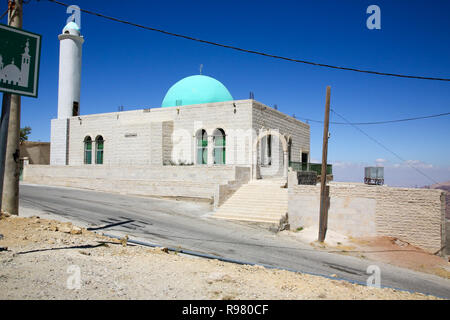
[123,65]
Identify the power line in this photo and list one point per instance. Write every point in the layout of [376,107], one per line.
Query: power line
[383,122]
[4,14]
[252,51]
[384,147]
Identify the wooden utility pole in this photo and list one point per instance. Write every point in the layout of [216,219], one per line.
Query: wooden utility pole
[3,138]
[324,189]
[10,196]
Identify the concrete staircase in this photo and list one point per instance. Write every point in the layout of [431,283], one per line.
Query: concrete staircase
[262,201]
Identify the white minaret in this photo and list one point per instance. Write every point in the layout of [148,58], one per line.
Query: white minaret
[71,43]
[25,68]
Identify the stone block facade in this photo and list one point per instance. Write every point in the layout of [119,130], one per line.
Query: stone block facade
[416,216]
[197,182]
[59,141]
[162,135]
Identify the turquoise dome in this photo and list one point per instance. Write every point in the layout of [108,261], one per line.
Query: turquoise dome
[195,90]
[72,28]
[72,25]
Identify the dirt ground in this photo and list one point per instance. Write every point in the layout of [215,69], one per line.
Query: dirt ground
[44,260]
[384,249]
[396,252]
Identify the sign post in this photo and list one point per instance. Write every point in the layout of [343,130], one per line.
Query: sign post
[19,74]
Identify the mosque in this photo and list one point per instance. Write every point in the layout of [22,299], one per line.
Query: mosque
[198,123]
[202,144]
[11,74]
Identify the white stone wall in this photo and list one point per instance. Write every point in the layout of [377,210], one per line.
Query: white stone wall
[128,135]
[413,215]
[265,117]
[126,138]
[141,137]
[201,182]
[59,141]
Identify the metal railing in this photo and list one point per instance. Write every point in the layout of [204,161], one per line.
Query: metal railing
[305,166]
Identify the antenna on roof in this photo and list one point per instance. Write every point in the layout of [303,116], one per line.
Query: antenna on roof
[201,67]
[252,95]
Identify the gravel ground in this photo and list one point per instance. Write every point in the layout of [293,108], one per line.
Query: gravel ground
[45,258]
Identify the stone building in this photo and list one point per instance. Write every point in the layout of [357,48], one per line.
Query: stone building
[199,123]
[200,144]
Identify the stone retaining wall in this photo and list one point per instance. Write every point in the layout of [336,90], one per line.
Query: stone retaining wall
[200,182]
[416,216]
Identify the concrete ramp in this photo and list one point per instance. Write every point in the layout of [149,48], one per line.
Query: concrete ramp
[262,201]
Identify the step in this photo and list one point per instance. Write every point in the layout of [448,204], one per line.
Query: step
[258,201]
[251,207]
[263,201]
[247,216]
[259,217]
[273,194]
[249,219]
[253,210]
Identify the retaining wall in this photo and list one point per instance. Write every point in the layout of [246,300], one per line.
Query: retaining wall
[199,182]
[416,216]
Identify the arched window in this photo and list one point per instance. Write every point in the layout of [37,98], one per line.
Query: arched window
[219,146]
[87,150]
[202,146]
[99,150]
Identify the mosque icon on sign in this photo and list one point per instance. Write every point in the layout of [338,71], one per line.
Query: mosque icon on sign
[11,74]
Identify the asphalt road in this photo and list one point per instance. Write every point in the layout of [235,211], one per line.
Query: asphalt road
[189,226]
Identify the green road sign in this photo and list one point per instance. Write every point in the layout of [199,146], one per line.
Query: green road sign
[19,61]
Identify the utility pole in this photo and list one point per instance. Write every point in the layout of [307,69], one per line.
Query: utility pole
[3,138]
[324,189]
[10,194]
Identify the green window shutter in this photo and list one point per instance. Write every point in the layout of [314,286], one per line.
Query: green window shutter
[220,141]
[99,150]
[88,157]
[88,152]
[199,156]
[99,157]
[205,156]
[202,143]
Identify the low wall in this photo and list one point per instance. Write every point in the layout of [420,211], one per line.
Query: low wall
[416,216]
[199,182]
[36,152]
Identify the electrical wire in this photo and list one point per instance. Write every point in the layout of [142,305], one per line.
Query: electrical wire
[384,147]
[252,51]
[4,14]
[382,122]
[293,60]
